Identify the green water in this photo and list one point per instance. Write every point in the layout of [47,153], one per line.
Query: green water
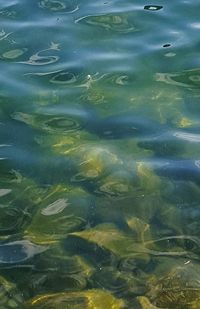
[99,154]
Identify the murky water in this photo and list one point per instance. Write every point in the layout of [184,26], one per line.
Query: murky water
[99,154]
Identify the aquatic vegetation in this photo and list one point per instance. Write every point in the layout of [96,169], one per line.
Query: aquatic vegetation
[18,199]
[140,228]
[99,155]
[56,260]
[122,245]
[62,210]
[54,271]
[149,181]
[87,299]
[109,237]
[10,296]
[94,161]
[165,104]
[145,303]
[120,283]
[117,184]
[65,144]
[178,288]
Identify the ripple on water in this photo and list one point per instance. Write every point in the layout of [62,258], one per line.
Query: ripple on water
[118,23]
[187,78]
[49,123]
[65,6]
[14,53]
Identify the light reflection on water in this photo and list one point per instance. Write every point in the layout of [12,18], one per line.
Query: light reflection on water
[99,154]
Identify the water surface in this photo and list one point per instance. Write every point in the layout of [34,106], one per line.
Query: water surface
[99,154]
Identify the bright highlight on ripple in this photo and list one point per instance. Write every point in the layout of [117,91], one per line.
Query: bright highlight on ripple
[153,7]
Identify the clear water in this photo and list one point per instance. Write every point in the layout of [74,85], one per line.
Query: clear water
[99,149]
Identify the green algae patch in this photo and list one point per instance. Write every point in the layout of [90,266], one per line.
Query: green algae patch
[63,210]
[88,299]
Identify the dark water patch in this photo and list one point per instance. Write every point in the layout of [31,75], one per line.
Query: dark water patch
[18,251]
[167,45]
[179,169]
[127,125]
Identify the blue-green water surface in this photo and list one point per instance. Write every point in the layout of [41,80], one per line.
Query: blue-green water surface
[99,154]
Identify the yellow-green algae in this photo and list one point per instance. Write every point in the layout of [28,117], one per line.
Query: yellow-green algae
[62,210]
[88,299]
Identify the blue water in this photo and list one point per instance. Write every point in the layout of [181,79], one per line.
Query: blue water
[99,154]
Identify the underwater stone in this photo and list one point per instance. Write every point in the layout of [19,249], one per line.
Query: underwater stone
[178,288]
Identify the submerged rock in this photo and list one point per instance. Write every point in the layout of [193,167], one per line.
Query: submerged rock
[178,289]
